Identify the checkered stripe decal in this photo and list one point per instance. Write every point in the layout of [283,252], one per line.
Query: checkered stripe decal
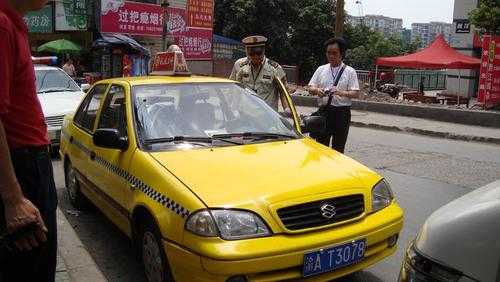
[138,184]
[144,188]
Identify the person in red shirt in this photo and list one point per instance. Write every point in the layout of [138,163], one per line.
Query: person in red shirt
[27,191]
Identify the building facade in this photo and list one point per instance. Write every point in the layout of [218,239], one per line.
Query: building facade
[427,32]
[406,35]
[465,40]
[385,25]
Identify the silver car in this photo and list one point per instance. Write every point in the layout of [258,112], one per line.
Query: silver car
[458,242]
[59,95]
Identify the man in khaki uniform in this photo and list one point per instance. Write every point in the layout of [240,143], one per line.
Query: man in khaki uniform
[258,72]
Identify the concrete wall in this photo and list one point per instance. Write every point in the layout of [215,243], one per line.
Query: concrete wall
[223,67]
[200,67]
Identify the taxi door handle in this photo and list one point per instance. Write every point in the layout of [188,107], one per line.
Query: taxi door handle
[92,155]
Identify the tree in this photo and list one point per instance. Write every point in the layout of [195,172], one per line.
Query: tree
[366,45]
[486,17]
[296,29]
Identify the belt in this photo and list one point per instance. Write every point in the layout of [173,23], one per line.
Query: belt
[30,150]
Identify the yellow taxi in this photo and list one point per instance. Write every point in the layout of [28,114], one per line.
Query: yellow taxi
[213,184]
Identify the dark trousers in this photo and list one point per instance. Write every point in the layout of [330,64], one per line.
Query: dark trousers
[338,120]
[34,174]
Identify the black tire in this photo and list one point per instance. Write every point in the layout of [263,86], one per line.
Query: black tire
[152,254]
[75,196]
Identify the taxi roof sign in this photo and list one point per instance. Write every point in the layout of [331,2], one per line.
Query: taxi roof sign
[170,63]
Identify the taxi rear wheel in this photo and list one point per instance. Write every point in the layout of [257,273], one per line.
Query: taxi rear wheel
[76,198]
[154,260]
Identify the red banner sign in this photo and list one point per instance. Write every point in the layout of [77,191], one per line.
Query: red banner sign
[201,13]
[196,43]
[133,18]
[177,21]
[489,77]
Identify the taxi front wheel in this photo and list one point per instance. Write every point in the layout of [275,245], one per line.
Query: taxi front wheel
[76,198]
[154,259]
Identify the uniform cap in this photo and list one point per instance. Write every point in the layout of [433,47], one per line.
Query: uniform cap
[254,41]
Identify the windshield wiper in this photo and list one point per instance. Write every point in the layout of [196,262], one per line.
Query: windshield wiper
[189,139]
[255,135]
[49,90]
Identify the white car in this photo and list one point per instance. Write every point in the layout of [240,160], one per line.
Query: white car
[59,95]
[458,242]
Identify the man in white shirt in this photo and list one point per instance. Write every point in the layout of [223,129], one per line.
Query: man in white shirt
[322,84]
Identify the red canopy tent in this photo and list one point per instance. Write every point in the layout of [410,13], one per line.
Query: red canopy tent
[438,55]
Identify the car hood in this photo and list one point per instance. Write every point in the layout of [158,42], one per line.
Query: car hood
[59,103]
[265,173]
[464,234]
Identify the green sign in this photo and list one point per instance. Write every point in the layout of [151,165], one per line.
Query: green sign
[40,21]
[71,15]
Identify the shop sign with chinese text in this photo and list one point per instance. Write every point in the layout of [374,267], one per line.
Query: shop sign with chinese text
[71,15]
[40,21]
[489,76]
[131,18]
[196,43]
[200,13]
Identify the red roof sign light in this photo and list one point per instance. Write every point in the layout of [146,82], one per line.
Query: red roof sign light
[171,62]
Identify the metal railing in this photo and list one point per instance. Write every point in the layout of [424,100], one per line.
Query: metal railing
[364,78]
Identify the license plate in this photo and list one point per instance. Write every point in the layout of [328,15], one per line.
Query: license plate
[329,259]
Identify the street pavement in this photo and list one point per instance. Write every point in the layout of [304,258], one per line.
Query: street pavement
[425,173]
[419,126]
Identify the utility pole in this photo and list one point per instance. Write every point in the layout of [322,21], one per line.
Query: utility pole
[165,4]
[339,19]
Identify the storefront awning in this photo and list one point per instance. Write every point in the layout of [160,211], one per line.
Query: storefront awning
[109,39]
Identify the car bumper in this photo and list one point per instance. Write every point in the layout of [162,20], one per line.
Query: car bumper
[286,252]
[54,136]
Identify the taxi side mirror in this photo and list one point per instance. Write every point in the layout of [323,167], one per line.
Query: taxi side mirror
[313,124]
[109,138]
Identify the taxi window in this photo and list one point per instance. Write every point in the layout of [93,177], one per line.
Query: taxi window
[87,112]
[113,111]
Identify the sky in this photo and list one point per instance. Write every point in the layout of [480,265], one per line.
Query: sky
[411,11]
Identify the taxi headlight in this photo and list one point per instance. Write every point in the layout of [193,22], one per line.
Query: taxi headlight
[381,195]
[228,224]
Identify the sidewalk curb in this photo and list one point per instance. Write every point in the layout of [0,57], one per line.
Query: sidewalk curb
[446,135]
[79,264]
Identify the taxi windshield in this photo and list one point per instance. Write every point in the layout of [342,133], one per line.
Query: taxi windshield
[54,80]
[205,111]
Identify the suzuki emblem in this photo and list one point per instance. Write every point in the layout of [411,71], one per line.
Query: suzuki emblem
[328,211]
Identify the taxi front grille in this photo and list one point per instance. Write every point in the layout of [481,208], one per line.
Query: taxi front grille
[311,214]
[55,121]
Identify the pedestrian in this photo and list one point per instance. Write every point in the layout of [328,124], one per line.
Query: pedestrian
[69,68]
[336,84]
[79,68]
[421,85]
[27,190]
[258,72]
